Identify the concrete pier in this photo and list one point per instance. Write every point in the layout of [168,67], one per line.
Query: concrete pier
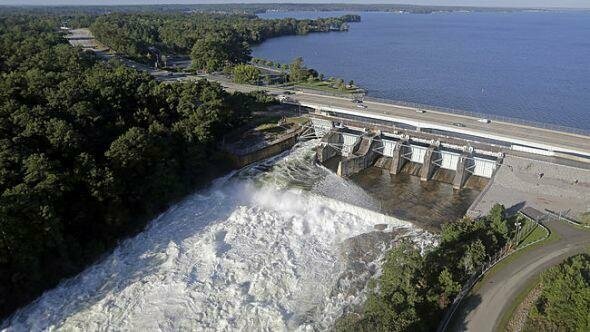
[364,155]
[462,173]
[399,160]
[429,164]
[326,149]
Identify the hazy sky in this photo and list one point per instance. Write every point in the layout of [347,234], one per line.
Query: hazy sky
[498,3]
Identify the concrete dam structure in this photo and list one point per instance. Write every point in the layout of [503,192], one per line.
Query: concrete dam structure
[362,144]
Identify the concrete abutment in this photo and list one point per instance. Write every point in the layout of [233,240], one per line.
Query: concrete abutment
[399,156]
[363,156]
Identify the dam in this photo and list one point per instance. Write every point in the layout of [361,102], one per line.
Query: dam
[516,164]
[363,144]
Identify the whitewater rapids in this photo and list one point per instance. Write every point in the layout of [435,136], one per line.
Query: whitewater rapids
[261,249]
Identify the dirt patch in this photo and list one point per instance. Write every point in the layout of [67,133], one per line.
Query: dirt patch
[519,318]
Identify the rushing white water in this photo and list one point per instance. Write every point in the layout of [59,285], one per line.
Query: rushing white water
[257,251]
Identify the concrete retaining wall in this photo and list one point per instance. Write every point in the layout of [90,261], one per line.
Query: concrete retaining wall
[324,150]
[364,156]
[271,150]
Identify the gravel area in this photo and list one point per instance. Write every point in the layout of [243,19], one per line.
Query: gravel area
[540,184]
[519,318]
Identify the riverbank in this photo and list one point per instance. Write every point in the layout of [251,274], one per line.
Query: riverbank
[260,249]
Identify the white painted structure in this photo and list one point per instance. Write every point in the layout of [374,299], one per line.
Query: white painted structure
[321,126]
[349,143]
[443,158]
[388,147]
[418,153]
[517,143]
[449,160]
[484,167]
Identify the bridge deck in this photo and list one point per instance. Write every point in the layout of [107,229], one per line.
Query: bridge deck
[509,132]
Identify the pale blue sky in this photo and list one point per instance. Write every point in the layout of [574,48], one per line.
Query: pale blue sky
[492,3]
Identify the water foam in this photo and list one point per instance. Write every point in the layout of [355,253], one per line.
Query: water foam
[243,255]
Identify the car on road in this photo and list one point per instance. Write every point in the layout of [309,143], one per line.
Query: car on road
[284,99]
[420,111]
[288,92]
[363,106]
[484,120]
[458,124]
[356,101]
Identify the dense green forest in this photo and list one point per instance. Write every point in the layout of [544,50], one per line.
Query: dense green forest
[414,290]
[89,151]
[213,40]
[564,303]
[247,8]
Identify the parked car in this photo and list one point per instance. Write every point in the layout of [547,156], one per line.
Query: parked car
[458,124]
[356,101]
[420,111]
[484,120]
[361,106]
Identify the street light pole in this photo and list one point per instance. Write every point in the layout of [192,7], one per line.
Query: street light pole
[517,224]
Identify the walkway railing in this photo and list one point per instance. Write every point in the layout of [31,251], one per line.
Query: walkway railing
[509,249]
[536,124]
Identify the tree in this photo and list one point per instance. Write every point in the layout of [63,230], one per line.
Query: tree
[297,70]
[393,306]
[217,50]
[565,297]
[246,74]
[340,84]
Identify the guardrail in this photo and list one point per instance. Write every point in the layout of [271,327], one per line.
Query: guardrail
[506,251]
[536,124]
[542,125]
[392,102]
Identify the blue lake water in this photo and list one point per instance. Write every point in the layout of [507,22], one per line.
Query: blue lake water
[529,65]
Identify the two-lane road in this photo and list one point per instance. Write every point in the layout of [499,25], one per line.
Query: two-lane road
[502,131]
[483,310]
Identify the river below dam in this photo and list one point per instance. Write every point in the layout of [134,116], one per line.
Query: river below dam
[281,245]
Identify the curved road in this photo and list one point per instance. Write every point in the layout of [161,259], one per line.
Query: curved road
[483,309]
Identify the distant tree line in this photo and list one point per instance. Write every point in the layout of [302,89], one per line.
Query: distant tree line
[414,290]
[89,151]
[213,40]
[246,8]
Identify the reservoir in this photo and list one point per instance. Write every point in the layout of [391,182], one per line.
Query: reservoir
[528,65]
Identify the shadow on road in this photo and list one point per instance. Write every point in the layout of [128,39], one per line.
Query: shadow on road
[515,208]
[469,303]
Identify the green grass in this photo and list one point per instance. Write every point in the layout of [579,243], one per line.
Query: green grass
[552,238]
[537,234]
[585,218]
[530,285]
[325,86]
[270,124]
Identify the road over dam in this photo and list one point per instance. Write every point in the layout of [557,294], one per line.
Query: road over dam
[531,138]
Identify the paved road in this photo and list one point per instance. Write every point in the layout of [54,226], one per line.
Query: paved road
[567,141]
[518,134]
[483,309]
